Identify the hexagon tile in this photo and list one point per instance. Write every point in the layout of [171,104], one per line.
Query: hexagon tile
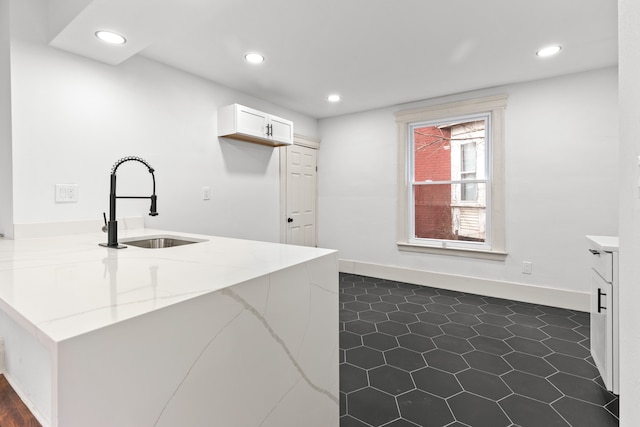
[419,356]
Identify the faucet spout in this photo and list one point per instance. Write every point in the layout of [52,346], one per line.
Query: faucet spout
[112,224]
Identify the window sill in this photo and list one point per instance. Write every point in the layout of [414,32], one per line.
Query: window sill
[459,252]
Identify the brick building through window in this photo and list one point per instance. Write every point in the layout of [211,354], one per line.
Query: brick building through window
[449,195]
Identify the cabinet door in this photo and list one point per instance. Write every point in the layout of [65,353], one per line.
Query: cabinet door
[251,122]
[602,327]
[281,130]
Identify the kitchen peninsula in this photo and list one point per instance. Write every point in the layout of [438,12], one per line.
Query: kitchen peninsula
[223,332]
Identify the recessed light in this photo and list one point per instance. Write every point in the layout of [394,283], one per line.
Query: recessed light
[110,37]
[254,58]
[549,50]
[334,97]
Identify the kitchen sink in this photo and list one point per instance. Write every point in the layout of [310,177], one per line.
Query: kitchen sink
[157,242]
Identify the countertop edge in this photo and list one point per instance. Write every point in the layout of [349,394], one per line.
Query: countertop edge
[604,243]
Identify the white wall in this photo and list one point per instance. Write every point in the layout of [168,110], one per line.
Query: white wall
[74,117]
[561,180]
[629,45]
[6,190]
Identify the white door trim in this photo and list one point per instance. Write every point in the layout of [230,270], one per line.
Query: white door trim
[305,141]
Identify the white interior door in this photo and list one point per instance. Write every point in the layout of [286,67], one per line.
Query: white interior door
[301,195]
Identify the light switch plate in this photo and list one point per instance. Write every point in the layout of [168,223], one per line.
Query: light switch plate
[66,193]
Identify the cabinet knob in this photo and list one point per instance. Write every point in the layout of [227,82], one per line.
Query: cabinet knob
[289,219]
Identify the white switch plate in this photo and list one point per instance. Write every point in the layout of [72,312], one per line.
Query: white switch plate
[527,267]
[66,193]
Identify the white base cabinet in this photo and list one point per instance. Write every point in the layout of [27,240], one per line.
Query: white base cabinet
[604,337]
[247,124]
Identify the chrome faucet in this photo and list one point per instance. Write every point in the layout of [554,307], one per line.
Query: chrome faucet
[112,225]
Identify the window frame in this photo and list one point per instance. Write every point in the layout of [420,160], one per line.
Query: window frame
[455,182]
[492,106]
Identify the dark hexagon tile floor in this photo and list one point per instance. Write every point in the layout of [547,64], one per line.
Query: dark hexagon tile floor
[420,356]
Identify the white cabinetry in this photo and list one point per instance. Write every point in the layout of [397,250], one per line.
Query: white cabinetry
[247,124]
[604,308]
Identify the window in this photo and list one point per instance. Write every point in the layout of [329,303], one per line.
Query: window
[468,167]
[451,178]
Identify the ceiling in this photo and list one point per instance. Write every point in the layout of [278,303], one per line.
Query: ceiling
[374,53]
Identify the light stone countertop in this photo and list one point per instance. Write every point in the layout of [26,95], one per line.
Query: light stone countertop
[61,287]
[604,243]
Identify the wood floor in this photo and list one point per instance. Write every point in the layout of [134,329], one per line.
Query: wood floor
[14,413]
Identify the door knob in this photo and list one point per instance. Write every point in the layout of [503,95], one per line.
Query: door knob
[289,219]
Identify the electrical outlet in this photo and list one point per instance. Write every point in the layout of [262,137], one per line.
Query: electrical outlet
[72,193]
[206,193]
[66,193]
[526,267]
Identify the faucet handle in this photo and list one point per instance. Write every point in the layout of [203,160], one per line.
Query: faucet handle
[154,209]
[104,227]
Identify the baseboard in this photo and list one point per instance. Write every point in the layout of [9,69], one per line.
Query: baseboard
[26,400]
[554,297]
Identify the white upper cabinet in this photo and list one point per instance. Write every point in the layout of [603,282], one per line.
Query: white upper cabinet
[247,124]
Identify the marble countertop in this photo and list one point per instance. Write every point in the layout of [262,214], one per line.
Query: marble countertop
[61,287]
